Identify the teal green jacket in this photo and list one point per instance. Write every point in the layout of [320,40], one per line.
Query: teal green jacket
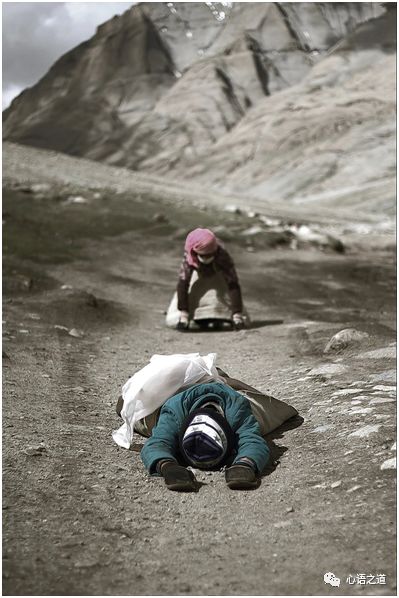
[164,441]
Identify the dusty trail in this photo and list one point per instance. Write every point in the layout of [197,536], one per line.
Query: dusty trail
[82,517]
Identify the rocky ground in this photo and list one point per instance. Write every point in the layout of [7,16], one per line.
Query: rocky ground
[90,264]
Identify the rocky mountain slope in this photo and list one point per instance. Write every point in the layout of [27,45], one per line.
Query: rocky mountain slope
[279,100]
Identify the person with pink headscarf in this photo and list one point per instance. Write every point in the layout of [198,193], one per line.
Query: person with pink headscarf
[208,290]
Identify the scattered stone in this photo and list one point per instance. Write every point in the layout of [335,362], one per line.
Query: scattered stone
[97,195]
[380,400]
[336,484]
[253,230]
[343,339]
[76,333]
[77,199]
[366,431]
[321,429]
[346,391]
[385,388]
[384,353]
[327,369]
[59,327]
[160,218]
[40,188]
[233,209]
[290,510]
[393,447]
[387,376]
[23,331]
[270,221]
[353,489]
[389,464]
[361,411]
[34,316]
[35,451]
[281,524]
[66,287]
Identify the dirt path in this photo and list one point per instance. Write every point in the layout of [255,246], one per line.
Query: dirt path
[81,516]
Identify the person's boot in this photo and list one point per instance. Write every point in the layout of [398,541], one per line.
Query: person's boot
[178,477]
[241,477]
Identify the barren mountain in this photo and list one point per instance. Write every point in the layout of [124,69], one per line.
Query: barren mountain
[279,100]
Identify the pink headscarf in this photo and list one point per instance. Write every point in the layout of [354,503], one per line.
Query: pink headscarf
[200,240]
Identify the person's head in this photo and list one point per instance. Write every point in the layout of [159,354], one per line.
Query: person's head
[206,439]
[201,246]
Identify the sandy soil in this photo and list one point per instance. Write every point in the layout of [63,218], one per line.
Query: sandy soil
[81,516]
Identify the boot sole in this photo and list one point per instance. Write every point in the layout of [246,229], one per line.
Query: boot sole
[240,485]
[182,487]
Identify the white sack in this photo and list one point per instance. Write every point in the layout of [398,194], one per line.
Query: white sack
[163,377]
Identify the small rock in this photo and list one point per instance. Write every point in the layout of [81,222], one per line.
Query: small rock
[393,447]
[40,188]
[361,411]
[66,287]
[336,484]
[35,451]
[321,429]
[346,391]
[290,510]
[75,332]
[160,218]
[387,376]
[384,353]
[253,230]
[281,524]
[77,199]
[344,338]
[366,431]
[389,464]
[233,209]
[353,489]
[380,400]
[327,370]
[59,327]
[34,316]
[269,221]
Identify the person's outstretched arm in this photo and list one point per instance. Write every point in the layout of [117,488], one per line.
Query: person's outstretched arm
[164,441]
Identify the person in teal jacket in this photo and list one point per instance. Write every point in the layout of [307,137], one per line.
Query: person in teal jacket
[207,426]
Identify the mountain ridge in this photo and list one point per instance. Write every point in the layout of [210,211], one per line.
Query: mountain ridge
[170,89]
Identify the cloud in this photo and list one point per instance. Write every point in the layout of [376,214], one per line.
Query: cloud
[35,34]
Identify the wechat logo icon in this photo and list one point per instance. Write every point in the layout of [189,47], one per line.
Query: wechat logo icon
[331,579]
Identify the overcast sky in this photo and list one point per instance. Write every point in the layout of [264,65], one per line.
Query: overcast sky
[35,34]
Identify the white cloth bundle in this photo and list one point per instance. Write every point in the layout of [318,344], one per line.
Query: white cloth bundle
[163,377]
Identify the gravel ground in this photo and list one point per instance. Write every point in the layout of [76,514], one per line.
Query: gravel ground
[84,308]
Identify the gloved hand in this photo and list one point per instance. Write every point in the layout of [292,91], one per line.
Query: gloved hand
[178,477]
[241,476]
[183,322]
[238,321]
